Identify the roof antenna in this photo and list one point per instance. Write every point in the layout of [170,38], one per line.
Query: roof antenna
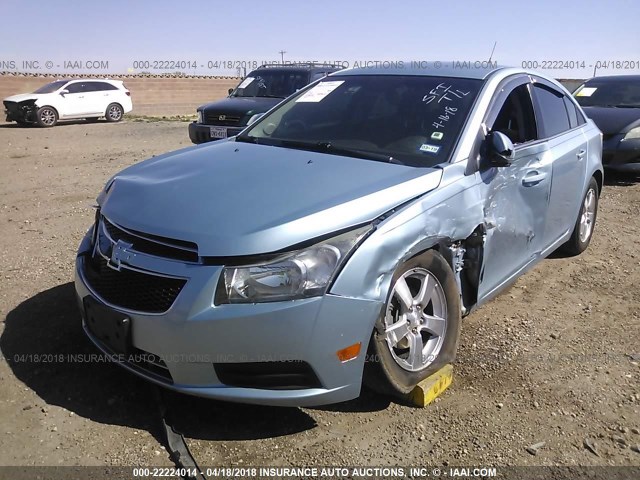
[493,50]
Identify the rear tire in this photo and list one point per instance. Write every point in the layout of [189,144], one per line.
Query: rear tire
[114,112]
[585,223]
[410,343]
[46,117]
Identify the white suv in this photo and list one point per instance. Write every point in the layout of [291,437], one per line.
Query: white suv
[70,99]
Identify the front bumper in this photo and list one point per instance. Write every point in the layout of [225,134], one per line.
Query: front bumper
[20,112]
[201,133]
[619,154]
[195,338]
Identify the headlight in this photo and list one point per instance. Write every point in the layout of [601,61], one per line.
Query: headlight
[632,134]
[300,274]
[199,120]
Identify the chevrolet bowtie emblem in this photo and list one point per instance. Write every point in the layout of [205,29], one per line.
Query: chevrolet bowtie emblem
[120,254]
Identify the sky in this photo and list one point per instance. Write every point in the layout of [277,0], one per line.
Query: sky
[208,37]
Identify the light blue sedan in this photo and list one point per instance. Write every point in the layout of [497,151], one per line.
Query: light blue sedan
[341,237]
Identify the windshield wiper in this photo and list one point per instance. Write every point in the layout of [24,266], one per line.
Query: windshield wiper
[627,105]
[622,105]
[328,147]
[270,96]
[246,139]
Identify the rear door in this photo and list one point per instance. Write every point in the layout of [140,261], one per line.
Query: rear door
[97,97]
[558,124]
[107,93]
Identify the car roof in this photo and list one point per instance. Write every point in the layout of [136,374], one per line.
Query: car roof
[427,69]
[299,68]
[616,78]
[108,80]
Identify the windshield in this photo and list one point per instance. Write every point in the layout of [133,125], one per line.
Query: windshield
[412,120]
[275,84]
[617,93]
[51,87]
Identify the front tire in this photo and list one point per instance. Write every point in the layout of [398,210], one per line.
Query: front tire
[418,331]
[114,113]
[585,223]
[47,117]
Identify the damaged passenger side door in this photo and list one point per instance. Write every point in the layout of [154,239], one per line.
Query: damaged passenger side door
[516,193]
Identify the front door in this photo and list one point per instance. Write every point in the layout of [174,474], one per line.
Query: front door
[516,197]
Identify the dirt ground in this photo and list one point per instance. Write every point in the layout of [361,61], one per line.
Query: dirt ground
[555,359]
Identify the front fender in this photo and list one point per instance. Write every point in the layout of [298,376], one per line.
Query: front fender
[449,213]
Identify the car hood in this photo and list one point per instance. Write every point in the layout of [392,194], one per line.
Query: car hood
[241,105]
[611,120]
[21,97]
[235,198]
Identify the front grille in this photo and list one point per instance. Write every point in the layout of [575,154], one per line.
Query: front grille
[213,118]
[284,375]
[153,244]
[131,289]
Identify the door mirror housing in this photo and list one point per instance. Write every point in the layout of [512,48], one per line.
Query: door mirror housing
[64,92]
[500,149]
[230,91]
[254,118]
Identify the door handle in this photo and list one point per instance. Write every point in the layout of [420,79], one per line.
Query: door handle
[81,96]
[581,154]
[533,178]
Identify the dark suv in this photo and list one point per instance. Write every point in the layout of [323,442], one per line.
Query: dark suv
[262,89]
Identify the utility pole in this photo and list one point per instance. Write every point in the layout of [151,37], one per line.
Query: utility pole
[282,52]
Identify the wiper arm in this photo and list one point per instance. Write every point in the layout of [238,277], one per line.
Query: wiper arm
[353,152]
[626,105]
[328,147]
[246,139]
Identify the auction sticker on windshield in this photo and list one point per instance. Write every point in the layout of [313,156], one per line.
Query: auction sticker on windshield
[320,91]
[586,91]
[246,82]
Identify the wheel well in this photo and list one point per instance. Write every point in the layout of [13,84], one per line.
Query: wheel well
[465,257]
[599,179]
[114,103]
[52,108]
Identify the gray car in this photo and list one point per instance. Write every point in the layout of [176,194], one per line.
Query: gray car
[341,237]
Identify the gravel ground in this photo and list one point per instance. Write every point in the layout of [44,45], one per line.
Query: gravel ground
[555,359]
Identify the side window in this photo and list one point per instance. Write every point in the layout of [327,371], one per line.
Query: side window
[91,87]
[551,111]
[571,110]
[317,75]
[75,87]
[516,118]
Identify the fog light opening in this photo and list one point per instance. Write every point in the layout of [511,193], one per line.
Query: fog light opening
[349,353]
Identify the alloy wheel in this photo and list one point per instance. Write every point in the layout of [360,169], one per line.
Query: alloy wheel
[416,319]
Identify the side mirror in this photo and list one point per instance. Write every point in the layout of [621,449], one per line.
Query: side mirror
[500,149]
[230,91]
[254,118]
[64,92]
